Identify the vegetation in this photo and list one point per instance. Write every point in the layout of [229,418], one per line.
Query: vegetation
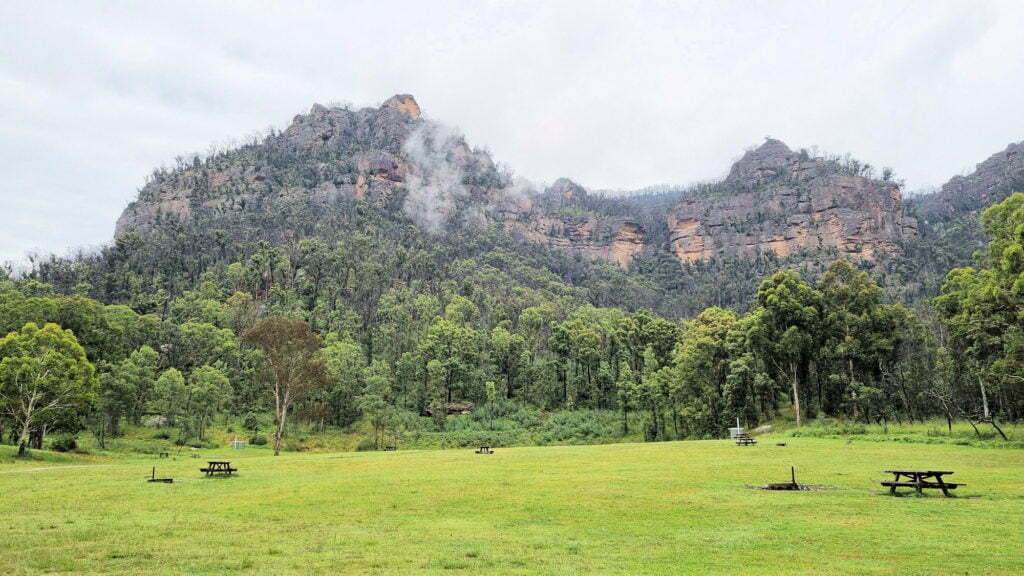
[405,355]
[298,287]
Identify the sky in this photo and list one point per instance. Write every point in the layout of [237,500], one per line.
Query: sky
[616,95]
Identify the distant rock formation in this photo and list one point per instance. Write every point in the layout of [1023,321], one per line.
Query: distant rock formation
[773,199]
[990,182]
[786,202]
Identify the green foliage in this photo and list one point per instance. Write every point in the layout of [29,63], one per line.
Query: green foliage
[982,310]
[64,443]
[413,324]
[46,381]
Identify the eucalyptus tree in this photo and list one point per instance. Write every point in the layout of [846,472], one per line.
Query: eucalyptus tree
[45,379]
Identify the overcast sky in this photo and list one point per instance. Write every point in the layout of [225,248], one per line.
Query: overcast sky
[613,95]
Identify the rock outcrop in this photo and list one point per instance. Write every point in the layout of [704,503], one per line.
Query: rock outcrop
[786,202]
[559,218]
[773,199]
[990,182]
[352,153]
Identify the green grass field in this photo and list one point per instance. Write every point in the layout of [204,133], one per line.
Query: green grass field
[667,508]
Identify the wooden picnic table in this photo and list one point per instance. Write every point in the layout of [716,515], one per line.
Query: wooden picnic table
[920,480]
[745,440]
[218,467]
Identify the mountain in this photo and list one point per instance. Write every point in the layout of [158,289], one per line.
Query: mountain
[949,224]
[774,199]
[787,202]
[427,208]
[990,182]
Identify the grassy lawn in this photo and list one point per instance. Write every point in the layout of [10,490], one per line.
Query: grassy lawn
[669,508]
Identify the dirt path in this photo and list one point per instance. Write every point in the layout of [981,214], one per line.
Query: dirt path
[45,468]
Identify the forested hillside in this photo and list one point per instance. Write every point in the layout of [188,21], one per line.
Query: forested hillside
[414,277]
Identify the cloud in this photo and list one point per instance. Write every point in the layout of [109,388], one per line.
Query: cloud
[615,95]
[434,187]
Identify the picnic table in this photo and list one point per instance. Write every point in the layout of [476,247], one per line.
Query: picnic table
[745,440]
[920,480]
[218,467]
[485,450]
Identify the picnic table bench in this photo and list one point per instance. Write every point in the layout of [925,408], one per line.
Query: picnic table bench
[218,467]
[485,450]
[745,440]
[920,480]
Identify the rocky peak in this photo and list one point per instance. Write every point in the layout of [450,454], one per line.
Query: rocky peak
[403,103]
[787,202]
[766,161]
[567,189]
[990,182]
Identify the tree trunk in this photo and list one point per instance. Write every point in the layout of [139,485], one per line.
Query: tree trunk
[281,413]
[984,398]
[796,395]
[23,438]
[279,432]
[998,429]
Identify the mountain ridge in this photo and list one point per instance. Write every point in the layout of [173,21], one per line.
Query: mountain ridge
[392,154]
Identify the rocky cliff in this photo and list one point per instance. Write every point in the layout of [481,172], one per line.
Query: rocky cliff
[326,153]
[560,218]
[990,182]
[786,202]
[388,154]
[774,199]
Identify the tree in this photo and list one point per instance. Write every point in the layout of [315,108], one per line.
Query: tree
[208,393]
[170,395]
[373,402]
[45,378]
[786,329]
[294,365]
[860,342]
[453,350]
[139,370]
[625,386]
[115,399]
[344,362]
[508,351]
[701,367]
[982,311]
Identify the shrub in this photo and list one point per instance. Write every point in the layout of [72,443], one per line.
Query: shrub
[162,435]
[251,421]
[580,427]
[258,440]
[65,443]
[366,445]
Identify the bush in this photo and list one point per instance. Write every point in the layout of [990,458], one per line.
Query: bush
[162,435]
[366,445]
[294,445]
[580,427]
[251,422]
[258,440]
[65,443]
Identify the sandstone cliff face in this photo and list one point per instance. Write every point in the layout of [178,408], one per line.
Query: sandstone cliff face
[558,218]
[785,202]
[352,153]
[377,154]
[773,199]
